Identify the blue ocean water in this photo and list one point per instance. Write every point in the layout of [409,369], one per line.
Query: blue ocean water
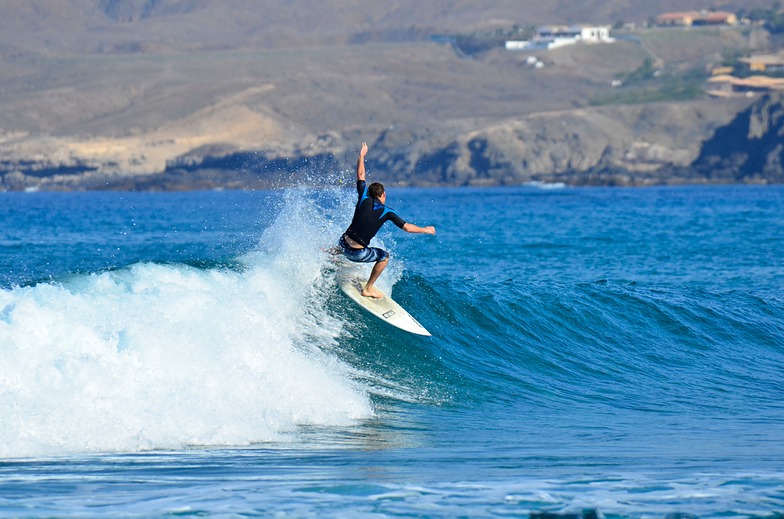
[617,352]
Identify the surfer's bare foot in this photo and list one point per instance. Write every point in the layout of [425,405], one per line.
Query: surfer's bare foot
[372,292]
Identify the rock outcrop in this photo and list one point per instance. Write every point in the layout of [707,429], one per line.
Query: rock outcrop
[749,149]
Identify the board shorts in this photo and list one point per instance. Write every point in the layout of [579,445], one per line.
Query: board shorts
[366,255]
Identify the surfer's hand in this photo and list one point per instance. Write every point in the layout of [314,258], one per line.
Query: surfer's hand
[430,230]
[363,150]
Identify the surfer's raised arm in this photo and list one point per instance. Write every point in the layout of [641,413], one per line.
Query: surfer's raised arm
[361,161]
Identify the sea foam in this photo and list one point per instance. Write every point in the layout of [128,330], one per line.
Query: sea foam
[159,356]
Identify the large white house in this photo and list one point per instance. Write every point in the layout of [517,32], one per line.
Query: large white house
[553,36]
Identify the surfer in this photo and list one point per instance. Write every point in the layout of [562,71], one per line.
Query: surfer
[369,215]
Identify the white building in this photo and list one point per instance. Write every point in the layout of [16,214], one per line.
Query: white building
[554,36]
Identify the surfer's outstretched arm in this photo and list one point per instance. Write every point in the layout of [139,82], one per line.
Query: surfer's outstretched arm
[410,227]
[361,161]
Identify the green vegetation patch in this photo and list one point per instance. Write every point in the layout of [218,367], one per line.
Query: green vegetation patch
[673,90]
[649,84]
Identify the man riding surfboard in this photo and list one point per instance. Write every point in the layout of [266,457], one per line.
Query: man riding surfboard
[370,214]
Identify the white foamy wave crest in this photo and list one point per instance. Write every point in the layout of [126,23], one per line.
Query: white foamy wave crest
[166,356]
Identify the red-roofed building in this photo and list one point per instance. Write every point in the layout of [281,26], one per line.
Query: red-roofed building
[689,18]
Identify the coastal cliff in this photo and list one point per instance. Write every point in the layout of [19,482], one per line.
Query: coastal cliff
[619,146]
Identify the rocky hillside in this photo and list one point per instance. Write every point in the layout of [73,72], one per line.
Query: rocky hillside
[750,148]
[186,94]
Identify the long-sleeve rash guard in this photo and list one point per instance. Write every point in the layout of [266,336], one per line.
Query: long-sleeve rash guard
[369,215]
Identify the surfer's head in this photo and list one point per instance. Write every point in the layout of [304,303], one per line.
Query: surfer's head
[376,190]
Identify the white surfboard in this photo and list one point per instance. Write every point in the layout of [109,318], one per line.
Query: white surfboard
[351,283]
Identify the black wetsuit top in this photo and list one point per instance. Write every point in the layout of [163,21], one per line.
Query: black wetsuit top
[369,216]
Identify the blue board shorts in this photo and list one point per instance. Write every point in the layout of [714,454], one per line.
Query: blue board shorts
[366,255]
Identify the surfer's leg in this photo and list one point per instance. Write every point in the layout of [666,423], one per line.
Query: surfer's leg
[378,268]
[381,257]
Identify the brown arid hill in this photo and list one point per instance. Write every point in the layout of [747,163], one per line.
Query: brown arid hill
[100,26]
[182,94]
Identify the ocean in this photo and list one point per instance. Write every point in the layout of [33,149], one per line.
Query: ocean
[613,353]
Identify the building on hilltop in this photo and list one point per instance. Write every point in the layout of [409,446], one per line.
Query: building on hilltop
[689,18]
[730,86]
[767,63]
[761,66]
[586,33]
[552,36]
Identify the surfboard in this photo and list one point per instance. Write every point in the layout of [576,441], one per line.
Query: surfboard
[387,309]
